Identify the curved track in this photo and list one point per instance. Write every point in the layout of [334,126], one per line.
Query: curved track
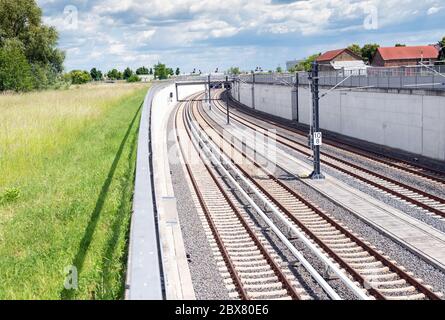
[375,273]
[246,258]
[425,201]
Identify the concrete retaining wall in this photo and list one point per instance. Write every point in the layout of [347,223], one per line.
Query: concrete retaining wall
[410,122]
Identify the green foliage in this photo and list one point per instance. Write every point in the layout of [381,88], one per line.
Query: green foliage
[15,71]
[234,70]
[400,45]
[142,70]
[442,48]
[79,77]
[151,71]
[160,71]
[72,206]
[356,49]
[306,65]
[9,195]
[177,72]
[96,75]
[279,69]
[133,78]
[369,50]
[127,73]
[21,22]
[114,74]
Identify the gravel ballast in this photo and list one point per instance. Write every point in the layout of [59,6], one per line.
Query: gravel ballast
[207,282]
[421,269]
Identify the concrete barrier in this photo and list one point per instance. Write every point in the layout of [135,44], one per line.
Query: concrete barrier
[412,122]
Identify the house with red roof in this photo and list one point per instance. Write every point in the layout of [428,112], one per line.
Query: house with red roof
[344,60]
[405,56]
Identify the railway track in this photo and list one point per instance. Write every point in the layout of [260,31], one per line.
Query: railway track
[416,169]
[374,272]
[428,203]
[250,266]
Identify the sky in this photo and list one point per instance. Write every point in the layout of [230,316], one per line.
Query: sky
[210,34]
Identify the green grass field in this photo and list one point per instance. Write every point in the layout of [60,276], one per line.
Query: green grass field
[67,161]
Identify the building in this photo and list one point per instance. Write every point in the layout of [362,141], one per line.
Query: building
[146,77]
[345,61]
[405,56]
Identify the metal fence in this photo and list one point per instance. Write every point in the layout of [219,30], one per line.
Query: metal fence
[417,77]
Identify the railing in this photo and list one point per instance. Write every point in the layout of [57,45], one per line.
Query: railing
[416,77]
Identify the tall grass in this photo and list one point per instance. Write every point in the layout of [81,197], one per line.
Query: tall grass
[66,178]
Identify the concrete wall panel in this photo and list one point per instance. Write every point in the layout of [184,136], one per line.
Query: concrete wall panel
[410,122]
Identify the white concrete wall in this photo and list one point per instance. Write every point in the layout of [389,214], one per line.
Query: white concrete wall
[410,122]
[276,100]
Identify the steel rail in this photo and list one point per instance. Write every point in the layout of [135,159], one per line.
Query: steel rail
[210,146]
[394,268]
[375,156]
[274,266]
[331,292]
[357,167]
[226,257]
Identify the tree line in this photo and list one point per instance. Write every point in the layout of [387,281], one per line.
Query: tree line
[30,59]
[159,72]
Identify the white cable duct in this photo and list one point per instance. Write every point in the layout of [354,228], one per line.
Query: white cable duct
[343,277]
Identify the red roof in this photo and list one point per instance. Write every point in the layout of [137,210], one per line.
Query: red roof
[329,55]
[406,53]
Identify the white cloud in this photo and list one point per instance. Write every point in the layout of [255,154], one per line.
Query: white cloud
[433,10]
[123,31]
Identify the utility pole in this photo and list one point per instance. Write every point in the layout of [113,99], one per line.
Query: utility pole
[210,97]
[226,85]
[297,115]
[253,91]
[316,136]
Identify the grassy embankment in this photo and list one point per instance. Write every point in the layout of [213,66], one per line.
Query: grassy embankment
[67,163]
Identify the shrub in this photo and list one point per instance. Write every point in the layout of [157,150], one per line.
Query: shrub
[133,78]
[79,77]
[9,195]
[15,71]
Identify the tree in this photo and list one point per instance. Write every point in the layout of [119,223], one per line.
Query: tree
[279,69]
[177,72]
[21,21]
[369,50]
[114,74]
[133,78]
[96,75]
[80,77]
[142,70]
[160,71]
[441,44]
[400,45]
[151,71]
[306,64]
[356,49]
[234,70]
[15,71]
[127,73]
